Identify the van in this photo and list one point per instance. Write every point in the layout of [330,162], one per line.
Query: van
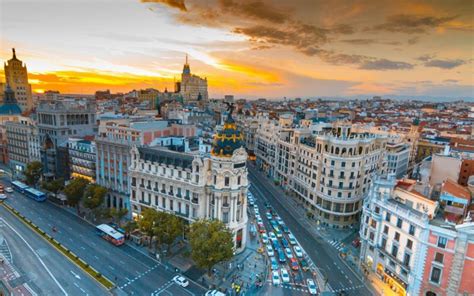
[214,293]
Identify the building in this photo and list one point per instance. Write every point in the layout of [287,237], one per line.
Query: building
[149,95]
[9,112]
[192,87]
[426,148]
[407,241]
[113,153]
[327,167]
[194,185]
[57,122]
[23,144]
[16,75]
[398,158]
[82,158]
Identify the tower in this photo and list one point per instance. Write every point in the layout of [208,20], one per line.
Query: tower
[16,76]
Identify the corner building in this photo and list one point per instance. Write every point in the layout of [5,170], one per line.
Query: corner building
[195,185]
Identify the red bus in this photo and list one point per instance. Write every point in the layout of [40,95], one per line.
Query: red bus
[110,234]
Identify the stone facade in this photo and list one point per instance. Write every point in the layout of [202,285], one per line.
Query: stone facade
[16,76]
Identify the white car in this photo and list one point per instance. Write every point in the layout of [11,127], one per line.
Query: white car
[288,253]
[264,238]
[269,216]
[298,251]
[259,220]
[272,236]
[270,251]
[292,239]
[279,220]
[285,276]
[275,277]
[181,280]
[3,196]
[9,189]
[312,288]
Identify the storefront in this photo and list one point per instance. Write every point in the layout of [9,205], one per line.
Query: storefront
[396,284]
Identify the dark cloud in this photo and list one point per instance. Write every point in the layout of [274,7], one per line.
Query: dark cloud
[445,64]
[411,24]
[425,57]
[384,64]
[179,4]
[256,9]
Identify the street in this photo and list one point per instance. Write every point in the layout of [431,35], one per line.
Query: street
[325,257]
[133,272]
[40,265]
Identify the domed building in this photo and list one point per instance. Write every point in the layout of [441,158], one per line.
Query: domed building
[195,185]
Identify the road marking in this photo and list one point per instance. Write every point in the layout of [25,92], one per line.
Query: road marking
[75,275]
[83,248]
[96,257]
[111,267]
[121,262]
[37,256]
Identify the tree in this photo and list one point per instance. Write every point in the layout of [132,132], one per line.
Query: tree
[147,223]
[167,228]
[94,196]
[54,186]
[118,214]
[33,172]
[211,242]
[75,191]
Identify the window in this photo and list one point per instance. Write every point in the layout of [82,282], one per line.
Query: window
[394,251]
[435,275]
[238,180]
[366,219]
[387,217]
[439,257]
[409,244]
[384,243]
[406,259]
[343,164]
[397,236]
[373,224]
[399,223]
[385,229]
[411,231]
[442,242]
[226,181]
[215,179]
[377,210]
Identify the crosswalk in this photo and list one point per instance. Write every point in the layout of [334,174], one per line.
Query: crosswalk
[347,288]
[336,244]
[4,248]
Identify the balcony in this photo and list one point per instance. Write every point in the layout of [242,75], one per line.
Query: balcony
[195,201]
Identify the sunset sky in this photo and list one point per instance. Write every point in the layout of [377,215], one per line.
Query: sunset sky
[255,48]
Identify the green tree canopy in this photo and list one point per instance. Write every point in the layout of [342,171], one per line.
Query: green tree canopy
[54,186]
[147,222]
[75,191]
[211,242]
[118,214]
[94,196]
[33,172]
[167,228]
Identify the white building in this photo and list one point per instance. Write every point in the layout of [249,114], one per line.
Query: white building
[398,156]
[194,185]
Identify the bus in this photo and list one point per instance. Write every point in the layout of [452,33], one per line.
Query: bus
[110,234]
[35,194]
[18,186]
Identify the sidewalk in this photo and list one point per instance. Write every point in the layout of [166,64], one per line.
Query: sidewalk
[11,282]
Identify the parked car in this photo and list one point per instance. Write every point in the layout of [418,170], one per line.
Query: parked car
[270,251]
[304,265]
[9,189]
[251,201]
[288,253]
[3,196]
[292,239]
[298,251]
[264,238]
[214,293]
[285,276]
[259,220]
[294,264]
[312,288]
[275,277]
[181,280]
[274,263]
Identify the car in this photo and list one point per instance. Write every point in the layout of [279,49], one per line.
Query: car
[356,243]
[312,288]
[285,229]
[275,277]
[304,265]
[281,256]
[275,244]
[292,239]
[274,263]
[270,251]
[288,253]
[257,216]
[269,216]
[259,220]
[284,242]
[261,228]
[214,293]
[285,276]
[278,232]
[272,236]
[279,220]
[251,202]
[294,264]
[181,280]
[267,205]
[298,251]
[9,189]
[264,238]
[3,196]
[274,223]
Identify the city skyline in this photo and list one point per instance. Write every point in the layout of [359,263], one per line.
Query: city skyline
[249,49]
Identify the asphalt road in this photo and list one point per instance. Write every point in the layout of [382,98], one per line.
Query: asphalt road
[45,270]
[326,258]
[133,272]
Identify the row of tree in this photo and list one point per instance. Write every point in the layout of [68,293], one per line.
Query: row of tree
[210,240]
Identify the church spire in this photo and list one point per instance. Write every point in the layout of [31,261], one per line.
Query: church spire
[14,53]
[186,59]
[186,69]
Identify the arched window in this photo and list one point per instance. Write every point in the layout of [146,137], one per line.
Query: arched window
[360,150]
[429,293]
[337,150]
[350,151]
[332,149]
[326,148]
[343,151]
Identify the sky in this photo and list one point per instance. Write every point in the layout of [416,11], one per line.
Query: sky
[248,48]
